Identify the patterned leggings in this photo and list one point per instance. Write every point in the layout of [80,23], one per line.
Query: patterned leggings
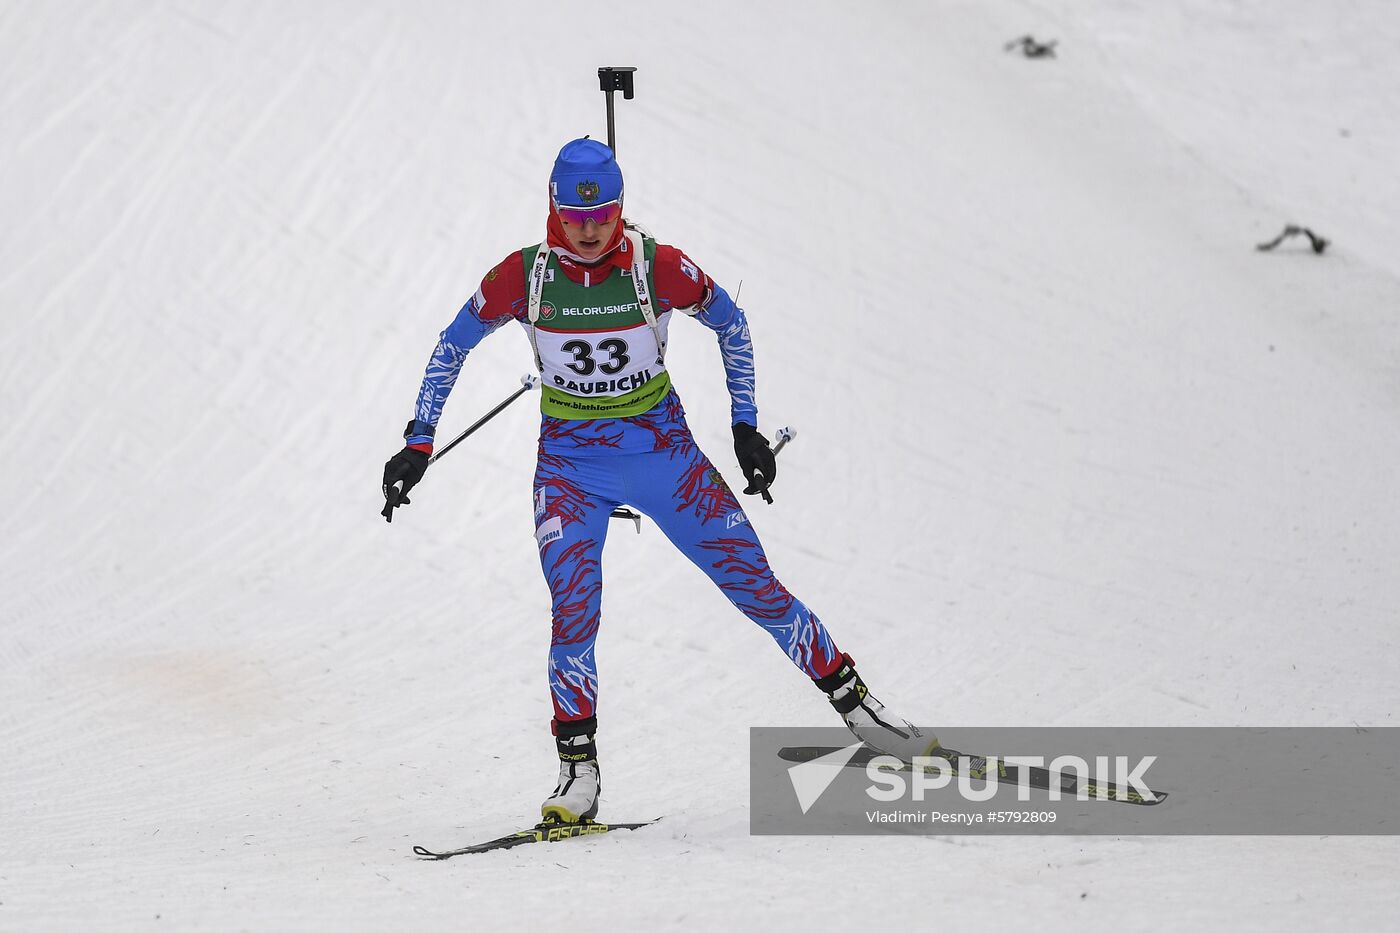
[679,489]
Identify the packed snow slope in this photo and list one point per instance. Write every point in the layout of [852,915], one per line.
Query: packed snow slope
[1071,451]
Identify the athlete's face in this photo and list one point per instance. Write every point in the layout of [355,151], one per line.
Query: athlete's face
[590,237]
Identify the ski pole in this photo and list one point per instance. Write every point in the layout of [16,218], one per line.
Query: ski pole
[784,435]
[395,493]
[610,80]
[527,382]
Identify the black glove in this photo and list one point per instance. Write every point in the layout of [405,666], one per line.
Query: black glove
[405,467]
[756,460]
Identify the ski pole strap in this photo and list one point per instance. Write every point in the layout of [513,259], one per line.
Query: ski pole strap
[639,285]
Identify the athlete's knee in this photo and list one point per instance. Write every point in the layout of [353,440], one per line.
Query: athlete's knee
[762,601]
[575,621]
[574,574]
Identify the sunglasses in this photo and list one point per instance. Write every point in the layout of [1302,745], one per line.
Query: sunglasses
[600,214]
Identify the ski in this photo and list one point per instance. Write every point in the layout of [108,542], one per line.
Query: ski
[1039,778]
[542,832]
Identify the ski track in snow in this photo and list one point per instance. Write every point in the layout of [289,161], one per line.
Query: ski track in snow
[1061,427]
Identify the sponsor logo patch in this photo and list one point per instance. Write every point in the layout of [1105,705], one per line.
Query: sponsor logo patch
[600,309]
[540,500]
[690,270]
[546,310]
[735,518]
[605,386]
[549,531]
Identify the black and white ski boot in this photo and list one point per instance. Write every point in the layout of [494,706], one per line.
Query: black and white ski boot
[575,797]
[868,718]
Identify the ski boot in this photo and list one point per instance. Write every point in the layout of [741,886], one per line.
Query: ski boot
[868,718]
[575,797]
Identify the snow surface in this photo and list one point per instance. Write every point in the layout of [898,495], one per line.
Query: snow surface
[1071,453]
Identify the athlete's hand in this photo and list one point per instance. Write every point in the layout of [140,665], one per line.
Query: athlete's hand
[401,473]
[756,460]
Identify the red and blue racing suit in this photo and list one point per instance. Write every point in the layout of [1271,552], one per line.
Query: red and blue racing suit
[588,465]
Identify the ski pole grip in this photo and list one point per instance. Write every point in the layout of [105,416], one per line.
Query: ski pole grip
[758,483]
[391,500]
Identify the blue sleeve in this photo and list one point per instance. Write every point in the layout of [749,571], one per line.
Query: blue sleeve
[719,313]
[454,343]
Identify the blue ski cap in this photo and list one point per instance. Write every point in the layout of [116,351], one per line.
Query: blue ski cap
[585,173]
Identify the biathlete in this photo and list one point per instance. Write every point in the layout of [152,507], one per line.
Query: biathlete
[595,300]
